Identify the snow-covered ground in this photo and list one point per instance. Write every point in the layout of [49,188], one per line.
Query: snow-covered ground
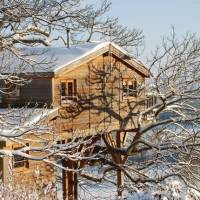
[171,188]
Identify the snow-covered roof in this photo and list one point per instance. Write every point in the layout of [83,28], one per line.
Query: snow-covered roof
[16,121]
[54,59]
[76,52]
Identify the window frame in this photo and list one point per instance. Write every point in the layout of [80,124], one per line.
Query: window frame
[74,89]
[74,86]
[126,83]
[22,162]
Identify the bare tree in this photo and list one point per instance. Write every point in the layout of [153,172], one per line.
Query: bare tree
[170,144]
[95,24]
[26,23]
[164,145]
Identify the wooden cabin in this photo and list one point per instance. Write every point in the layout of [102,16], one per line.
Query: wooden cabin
[93,88]
[89,80]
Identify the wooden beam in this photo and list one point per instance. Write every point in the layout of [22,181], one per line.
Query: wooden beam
[107,143]
[70,176]
[124,138]
[75,182]
[120,174]
[112,142]
[64,180]
[120,182]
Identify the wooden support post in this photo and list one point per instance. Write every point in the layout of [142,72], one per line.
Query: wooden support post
[120,182]
[64,180]
[75,184]
[70,181]
[120,174]
[70,176]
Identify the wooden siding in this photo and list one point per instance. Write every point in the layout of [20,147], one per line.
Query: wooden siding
[99,108]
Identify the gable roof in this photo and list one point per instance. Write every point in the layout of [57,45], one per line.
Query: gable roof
[60,59]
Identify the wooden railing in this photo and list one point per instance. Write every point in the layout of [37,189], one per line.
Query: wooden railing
[68,101]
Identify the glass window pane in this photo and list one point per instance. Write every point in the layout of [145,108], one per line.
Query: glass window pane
[70,89]
[63,88]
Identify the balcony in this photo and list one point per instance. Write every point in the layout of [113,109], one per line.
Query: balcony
[69,101]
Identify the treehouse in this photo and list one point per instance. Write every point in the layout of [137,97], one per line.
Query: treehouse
[89,89]
[90,81]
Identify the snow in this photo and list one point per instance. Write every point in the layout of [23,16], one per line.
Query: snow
[53,59]
[18,120]
[171,188]
[80,51]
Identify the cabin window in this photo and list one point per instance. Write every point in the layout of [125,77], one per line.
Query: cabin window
[20,161]
[63,89]
[61,142]
[151,101]
[68,90]
[129,88]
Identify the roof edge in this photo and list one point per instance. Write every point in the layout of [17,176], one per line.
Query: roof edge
[101,47]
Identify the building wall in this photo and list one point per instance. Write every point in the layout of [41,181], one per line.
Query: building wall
[100,105]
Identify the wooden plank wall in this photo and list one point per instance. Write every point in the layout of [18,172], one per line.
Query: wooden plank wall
[101,106]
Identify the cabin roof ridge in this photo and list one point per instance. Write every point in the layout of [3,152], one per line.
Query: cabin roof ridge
[99,46]
[57,59]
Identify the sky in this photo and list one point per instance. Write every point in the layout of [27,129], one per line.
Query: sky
[156,17]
